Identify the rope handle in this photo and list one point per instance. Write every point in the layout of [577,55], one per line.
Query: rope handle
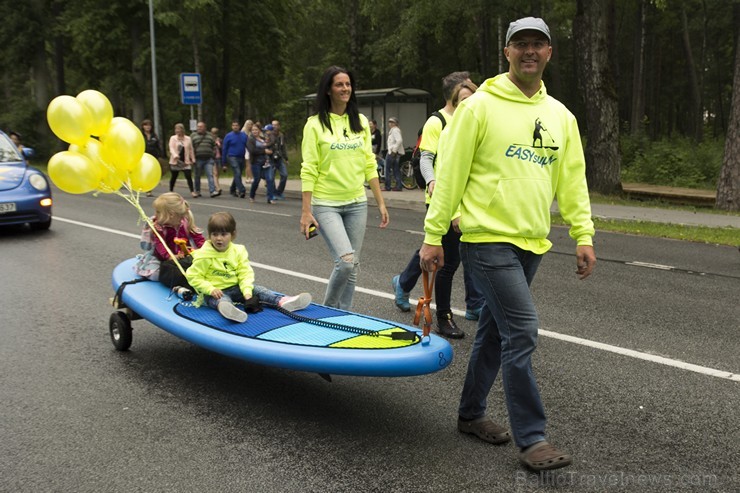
[424,302]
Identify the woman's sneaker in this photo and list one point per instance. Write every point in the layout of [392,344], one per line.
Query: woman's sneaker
[402,297]
[231,312]
[295,303]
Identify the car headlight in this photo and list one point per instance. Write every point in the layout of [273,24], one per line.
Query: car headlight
[38,182]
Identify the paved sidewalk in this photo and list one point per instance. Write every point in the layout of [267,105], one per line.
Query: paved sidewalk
[414,200]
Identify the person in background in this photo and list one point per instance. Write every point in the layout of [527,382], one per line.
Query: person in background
[16,138]
[392,159]
[182,157]
[152,145]
[216,159]
[261,165]
[337,161]
[204,146]
[232,153]
[280,158]
[504,194]
[247,129]
[376,140]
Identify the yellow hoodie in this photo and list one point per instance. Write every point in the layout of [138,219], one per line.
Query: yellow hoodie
[506,157]
[337,163]
[212,269]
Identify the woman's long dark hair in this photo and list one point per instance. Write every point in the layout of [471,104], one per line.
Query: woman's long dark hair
[323,100]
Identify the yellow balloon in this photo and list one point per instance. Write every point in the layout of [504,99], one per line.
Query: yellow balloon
[123,145]
[112,181]
[92,149]
[100,110]
[73,172]
[115,121]
[118,119]
[69,119]
[146,175]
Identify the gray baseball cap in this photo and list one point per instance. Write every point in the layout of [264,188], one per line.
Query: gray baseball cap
[526,23]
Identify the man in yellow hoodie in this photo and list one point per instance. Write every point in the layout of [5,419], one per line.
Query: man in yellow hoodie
[504,188]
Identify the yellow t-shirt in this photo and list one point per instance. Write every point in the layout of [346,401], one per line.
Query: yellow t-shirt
[431,131]
[430,137]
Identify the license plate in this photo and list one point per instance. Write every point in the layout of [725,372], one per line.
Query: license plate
[7,207]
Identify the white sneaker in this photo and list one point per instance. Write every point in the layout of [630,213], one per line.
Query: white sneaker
[295,303]
[231,312]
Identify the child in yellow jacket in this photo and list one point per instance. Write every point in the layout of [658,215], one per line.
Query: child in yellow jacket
[221,275]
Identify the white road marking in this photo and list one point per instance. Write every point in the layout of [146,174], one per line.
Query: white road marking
[99,228]
[643,356]
[712,372]
[650,266]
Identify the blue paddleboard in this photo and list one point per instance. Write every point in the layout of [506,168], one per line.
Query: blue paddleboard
[320,339]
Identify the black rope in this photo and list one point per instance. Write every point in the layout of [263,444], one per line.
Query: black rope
[403,336]
[119,291]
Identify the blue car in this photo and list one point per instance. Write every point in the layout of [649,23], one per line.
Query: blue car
[25,194]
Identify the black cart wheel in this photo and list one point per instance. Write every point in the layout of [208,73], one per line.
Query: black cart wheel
[120,331]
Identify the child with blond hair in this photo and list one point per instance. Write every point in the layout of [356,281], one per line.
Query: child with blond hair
[175,223]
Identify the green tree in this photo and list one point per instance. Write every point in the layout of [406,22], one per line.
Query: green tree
[26,76]
[597,90]
[728,187]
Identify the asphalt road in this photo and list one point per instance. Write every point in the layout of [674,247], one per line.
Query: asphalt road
[169,416]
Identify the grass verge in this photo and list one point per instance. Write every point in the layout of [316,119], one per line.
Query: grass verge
[700,234]
[656,204]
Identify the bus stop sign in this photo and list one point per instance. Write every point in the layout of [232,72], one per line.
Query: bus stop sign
[190,89]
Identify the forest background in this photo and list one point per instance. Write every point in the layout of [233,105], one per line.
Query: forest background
[650,81]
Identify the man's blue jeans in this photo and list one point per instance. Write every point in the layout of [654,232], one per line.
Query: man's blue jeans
[200,164]
[236,163]
[506,337]
[343,229]
[281,168]
[393,171]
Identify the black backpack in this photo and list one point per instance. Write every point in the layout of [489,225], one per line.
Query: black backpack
[416,155]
